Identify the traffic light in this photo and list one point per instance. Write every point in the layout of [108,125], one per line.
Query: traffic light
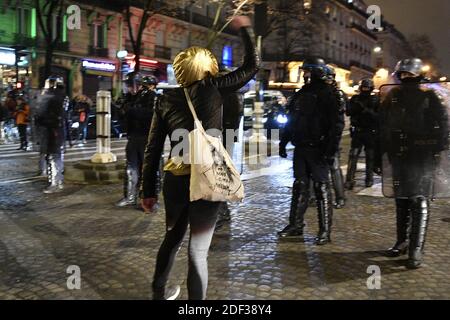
[19,85]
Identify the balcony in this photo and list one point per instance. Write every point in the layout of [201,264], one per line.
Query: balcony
[163,52]
[362,30]
[98,52]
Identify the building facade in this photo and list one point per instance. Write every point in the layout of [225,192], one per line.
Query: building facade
[342,39]
[87,57]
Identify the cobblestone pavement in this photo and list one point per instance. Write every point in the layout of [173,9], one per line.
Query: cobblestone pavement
[42,235]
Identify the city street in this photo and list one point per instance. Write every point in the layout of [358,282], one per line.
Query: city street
[115,249]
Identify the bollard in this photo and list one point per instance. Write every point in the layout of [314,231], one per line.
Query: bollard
[2,132]
[103,154]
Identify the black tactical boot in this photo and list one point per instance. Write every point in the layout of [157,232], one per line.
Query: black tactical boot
[338,184]
[299,204]
[419,225]
[402,216]
[351,169]
[324,212]
[54,185]
[130,189]
[370,159]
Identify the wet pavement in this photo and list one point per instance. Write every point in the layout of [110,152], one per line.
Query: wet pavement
[115,249]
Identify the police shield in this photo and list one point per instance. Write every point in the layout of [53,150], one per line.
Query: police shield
[414,140]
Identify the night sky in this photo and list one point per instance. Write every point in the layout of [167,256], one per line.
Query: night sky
[431,17]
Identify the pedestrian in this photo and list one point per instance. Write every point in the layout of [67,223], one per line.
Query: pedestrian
[314,127]
[50,122]
[363,111]
[414,123]
[196,69]
[82,108]
[138,116]
[3,118]
[21,116]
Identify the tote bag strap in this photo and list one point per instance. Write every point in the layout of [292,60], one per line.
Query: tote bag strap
[191,106]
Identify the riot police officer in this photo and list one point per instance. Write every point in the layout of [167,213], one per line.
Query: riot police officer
[337,177]
[415,145]
[315,127]
[363,112]
[50,118]
[137,113]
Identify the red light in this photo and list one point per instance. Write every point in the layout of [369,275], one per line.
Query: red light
[19,85]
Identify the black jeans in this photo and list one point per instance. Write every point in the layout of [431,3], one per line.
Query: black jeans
[201,216]
[23,135]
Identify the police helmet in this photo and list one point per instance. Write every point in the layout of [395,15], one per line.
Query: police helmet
[317,67]
[366,83]
[54,81]
[149,80]
[413,66]
[133,78]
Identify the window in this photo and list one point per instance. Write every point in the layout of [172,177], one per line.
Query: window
[98,35]
[24,20]
[58,25]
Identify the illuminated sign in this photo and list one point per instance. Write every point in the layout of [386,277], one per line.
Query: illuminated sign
[7,57]
[99,65]
[227,56]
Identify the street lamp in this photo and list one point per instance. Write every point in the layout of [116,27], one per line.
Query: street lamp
[377,49]
[426,68]
[121,54]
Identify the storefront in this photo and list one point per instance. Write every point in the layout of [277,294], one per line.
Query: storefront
[8,76]
[97,75]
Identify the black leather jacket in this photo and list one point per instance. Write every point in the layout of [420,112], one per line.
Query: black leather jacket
[172,111]
[316,119]
[139,114]
[363,112]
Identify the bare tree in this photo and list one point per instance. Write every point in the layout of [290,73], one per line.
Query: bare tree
[422,47]
[149,8]
[295,28]
[45,11]
[227,9]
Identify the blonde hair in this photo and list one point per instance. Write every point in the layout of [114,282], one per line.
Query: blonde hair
[193,64]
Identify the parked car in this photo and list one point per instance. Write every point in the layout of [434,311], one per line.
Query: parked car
[274,112]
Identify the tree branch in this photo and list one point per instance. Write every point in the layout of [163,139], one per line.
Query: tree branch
[40,20]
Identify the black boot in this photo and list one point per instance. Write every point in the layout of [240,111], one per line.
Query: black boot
[351,168]
[324,211]
[370,159]
[299,204]
[338,183]
[223,216]
[312,196]
[130,189]
[420,215]
[54,185]
[402,217]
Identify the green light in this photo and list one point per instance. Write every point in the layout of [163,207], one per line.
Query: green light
[64,27]
[33,23]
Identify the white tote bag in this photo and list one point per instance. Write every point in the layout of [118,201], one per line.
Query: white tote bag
[213,174]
